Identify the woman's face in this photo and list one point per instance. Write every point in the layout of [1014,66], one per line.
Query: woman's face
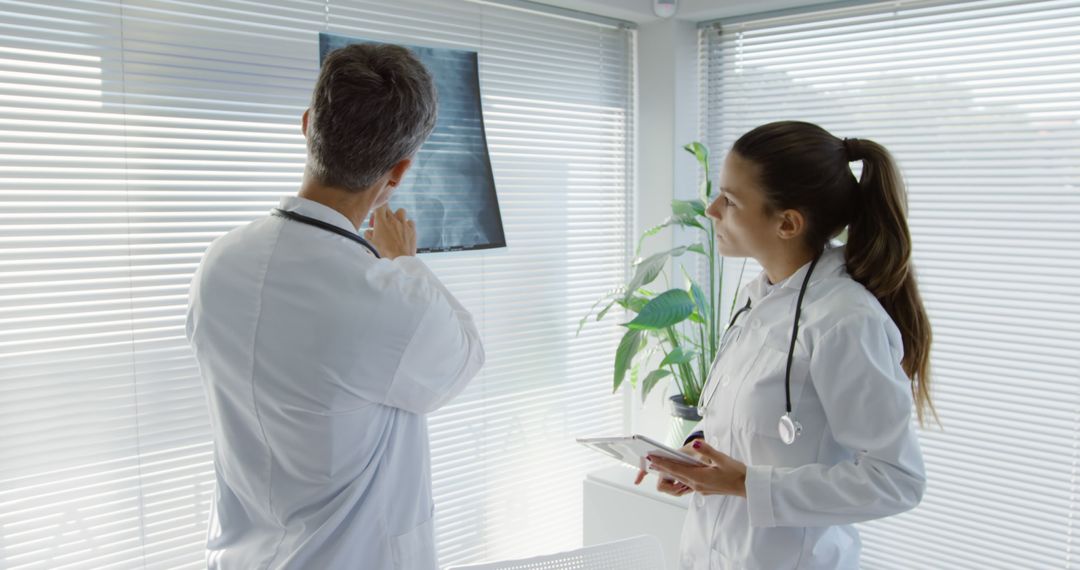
[743,225]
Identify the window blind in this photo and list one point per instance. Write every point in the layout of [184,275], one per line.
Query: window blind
[133,133]
[977,100]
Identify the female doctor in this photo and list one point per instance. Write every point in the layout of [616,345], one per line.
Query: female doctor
[806,416]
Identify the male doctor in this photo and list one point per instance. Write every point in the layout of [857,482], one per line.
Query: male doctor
[322,351]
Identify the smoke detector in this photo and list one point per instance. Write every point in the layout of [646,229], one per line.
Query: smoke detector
[665,8]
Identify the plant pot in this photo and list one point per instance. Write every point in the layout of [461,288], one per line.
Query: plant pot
[680,409]
[683,419]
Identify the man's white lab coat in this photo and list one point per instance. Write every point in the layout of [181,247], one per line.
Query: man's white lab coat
[320,362]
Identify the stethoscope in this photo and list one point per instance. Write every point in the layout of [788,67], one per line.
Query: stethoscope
[790,428]
[323,225]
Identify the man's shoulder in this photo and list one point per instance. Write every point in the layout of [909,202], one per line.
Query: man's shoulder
[240,239]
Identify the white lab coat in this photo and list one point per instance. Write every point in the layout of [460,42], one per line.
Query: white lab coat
[858,457]
[320,362]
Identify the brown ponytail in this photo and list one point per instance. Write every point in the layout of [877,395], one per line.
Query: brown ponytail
[878,255]
[804,167]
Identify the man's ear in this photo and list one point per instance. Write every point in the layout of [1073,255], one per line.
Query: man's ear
[792,224]
[397,172]
[303,122]
[393,180]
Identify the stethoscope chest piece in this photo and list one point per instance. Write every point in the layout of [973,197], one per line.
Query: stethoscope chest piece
[789,428]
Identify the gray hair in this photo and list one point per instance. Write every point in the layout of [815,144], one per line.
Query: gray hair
[373,106]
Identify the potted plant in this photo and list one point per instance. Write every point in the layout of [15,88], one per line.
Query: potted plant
[682,324]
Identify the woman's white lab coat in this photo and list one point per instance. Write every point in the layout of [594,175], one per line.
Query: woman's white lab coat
[857,458]
[320,362]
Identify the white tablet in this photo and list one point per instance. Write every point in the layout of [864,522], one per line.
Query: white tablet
[633,449]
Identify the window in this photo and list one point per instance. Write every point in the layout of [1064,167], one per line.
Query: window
[133,133]
[977,100]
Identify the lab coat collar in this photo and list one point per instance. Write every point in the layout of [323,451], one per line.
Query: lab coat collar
[832,263]
[313,209]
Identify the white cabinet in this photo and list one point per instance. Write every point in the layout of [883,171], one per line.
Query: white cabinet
[614,509]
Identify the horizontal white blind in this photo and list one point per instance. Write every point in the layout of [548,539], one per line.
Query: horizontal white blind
[978,102]
[82,483]
[136,132]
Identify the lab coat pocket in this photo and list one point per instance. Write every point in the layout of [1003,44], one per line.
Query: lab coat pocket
[415,550]
[761,401]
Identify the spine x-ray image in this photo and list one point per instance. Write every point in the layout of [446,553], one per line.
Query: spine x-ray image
[450,189]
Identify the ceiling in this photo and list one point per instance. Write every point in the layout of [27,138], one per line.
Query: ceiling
[641,11]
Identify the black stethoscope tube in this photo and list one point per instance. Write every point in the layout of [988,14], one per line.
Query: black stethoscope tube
[791,347]
[323,225]
[795,332]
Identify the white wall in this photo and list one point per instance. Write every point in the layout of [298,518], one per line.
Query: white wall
[667,106]
[667,119]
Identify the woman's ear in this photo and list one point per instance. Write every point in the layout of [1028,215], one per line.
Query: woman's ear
[792,224]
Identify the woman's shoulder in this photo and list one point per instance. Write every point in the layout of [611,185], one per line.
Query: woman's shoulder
[847,304]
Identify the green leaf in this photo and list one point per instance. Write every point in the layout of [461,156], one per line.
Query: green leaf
[646,271]
[688,208]
[604,311]
[686,339]
[611,295]
[684,221]
[628,347]
[635,303]
[697,315]
[700,151]
[679,356]
[701,303]
[581,323]
[650,381]
[688,221]
[649,268]
[697,248]
[667,309]
[651,232]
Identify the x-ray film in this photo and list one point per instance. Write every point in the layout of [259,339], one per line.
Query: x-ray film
[450,189]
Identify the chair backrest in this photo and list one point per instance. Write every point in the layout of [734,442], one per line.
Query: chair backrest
[638,553]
